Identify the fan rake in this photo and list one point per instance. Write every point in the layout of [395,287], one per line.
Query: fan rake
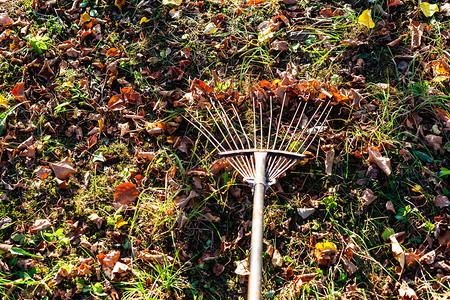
[261,148]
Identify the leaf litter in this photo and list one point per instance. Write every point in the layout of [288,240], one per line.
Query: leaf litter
[84,139]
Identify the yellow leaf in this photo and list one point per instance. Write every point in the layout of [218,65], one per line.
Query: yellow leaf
[119,3]
[121,223]
[326,246]
[101,124]
[172,2]
[428,9]
[143,20]
[366,19]
[3,102]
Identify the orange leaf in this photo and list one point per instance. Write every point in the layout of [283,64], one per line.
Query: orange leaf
[19,92]
[119,3]
[113,52]
[126,193]
[254,2]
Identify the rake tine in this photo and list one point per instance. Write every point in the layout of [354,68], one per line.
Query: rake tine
[241,167]
[323,122]
[297,140]
[250,162]
[215,142]
[228,122]
[310,131]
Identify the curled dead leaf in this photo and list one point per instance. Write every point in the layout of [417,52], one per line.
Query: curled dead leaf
[441,201]
[277,259]
[383,163]
[63,169]
[242,267]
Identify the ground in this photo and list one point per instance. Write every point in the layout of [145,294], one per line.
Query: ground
[107,191]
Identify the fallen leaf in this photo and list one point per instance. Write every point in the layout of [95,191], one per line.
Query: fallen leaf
[39,225]
[19,92]
[210,28]
[118,270]
[445,9]
[126,193]
[60,275]
[383,163]
[365,19]
[113,52]
[108,261]
[277,259]
[305,212]
[46,72]
[428,258]
[434,141]
[63,169]
[368,196]
[416,32]
[155,256]
[5,20]
[254,2]
[279,45]
[350,250]
[172,2]
[184,200]
[119,3]
[242,267]
[212,218]
[394,3]
[405,292]
[390,206]
[429,9]
[443,265]
[143,20]
[325,253]
[329,162]
[397,250]
[441,201]
[218,269]
[349,266]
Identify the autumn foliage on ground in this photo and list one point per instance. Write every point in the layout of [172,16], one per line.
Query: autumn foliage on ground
[108,192]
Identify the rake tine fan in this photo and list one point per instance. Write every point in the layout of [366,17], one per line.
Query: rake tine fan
[261,148]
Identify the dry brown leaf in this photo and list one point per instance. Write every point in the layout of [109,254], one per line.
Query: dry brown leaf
[325,253]
[108,262]
[242,267]
[441,201]
[428,258]
[63,169]
[443,265]
[155,256]
[329,162]
[368,196]
[416,34]
[126,193]
[43,172]
[277,259]
[212,218]
[218,269]
[60,275]
[39,225]
[390,206]
[383,163]
[350,250]
[279,45]
[397,250]
[46,72]
[434,141]
[305,212]
[5,20]
[349,266]
[184,200]
[406,293]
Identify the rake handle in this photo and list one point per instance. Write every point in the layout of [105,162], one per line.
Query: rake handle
[260,181]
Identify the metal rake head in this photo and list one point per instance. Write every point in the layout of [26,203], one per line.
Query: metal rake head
[284,138]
